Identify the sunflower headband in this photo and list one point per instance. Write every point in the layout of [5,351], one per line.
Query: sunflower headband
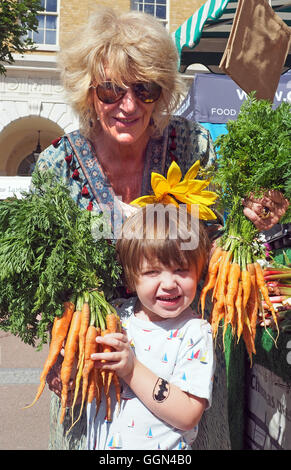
[189,191]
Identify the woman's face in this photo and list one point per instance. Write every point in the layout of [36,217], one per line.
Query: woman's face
[125,121]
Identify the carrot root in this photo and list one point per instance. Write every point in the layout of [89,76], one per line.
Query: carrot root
[59,332]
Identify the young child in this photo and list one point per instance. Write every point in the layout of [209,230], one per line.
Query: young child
[164,356]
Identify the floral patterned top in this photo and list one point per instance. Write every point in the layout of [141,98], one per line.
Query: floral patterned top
[73,159]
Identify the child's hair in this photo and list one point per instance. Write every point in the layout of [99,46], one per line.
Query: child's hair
[163,233]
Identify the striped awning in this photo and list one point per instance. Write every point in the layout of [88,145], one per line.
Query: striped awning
[202,38]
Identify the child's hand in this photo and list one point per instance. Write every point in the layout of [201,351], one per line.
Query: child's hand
[121,359]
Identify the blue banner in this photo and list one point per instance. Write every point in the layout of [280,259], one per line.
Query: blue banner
[216,98]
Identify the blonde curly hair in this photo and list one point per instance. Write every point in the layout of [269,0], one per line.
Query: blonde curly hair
[133,46]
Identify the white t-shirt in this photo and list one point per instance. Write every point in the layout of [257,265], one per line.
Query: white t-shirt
[179,350]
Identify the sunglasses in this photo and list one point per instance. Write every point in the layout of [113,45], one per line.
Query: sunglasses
[109,93]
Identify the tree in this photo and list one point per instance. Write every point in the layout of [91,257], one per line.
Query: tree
[16,18]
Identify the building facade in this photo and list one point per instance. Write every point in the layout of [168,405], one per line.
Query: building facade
[33,110]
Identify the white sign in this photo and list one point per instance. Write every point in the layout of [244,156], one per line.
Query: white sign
[268,411]
[13,185]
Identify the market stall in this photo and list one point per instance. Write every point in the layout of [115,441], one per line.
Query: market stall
[214,99]
[203,37]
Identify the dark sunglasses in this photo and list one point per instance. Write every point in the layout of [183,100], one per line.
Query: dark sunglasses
[110,93]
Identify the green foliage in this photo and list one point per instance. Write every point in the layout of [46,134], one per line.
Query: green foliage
[48,255]
[16,18]
[255,154]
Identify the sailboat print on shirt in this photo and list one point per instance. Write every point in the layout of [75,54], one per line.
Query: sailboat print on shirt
[200,355]
[149,433]
[165,358]
[175,334]
[131,423]
[191,355]
[190,343]
[197,354]
[203,358]
[115,442]
[182,444]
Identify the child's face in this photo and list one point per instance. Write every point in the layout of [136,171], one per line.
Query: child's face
[164,292]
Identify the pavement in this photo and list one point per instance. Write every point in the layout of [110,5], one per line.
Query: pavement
[20,369]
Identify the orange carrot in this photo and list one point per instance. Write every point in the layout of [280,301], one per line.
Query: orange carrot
[71,348]
[264,290]
[108,407]
[222,280]
[105,379]
[216,255]
[98,378]
[246,285]
[59,333]
[249,342]
[117,390]
[223,260]
[209,284]
[216,316]
[105,349]
[232,287]
[239,309]
[91,386]
[111,322]
[90,348]
[253,300]
[112,327]
[85,320]
[98,388]
[76,391]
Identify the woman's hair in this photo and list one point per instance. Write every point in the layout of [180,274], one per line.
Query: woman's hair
[163,233]
[133,46]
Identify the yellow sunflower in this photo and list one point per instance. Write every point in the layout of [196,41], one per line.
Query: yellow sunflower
[189,191]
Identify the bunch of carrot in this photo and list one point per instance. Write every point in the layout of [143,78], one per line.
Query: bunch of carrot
[76,331]
[238,290]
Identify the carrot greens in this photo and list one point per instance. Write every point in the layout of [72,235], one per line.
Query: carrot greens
[48,255]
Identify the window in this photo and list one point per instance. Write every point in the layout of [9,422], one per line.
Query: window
[157,8]
[46,36]
[27,166]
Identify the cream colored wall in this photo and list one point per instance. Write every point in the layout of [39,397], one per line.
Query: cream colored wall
[180,10]
[74,13]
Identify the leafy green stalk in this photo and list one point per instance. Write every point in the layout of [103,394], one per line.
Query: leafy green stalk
[254,157]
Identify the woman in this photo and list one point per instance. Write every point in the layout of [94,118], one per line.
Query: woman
[120,75]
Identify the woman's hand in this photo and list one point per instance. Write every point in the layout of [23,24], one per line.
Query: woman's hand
[121,359]
[266,211]
[55,384]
